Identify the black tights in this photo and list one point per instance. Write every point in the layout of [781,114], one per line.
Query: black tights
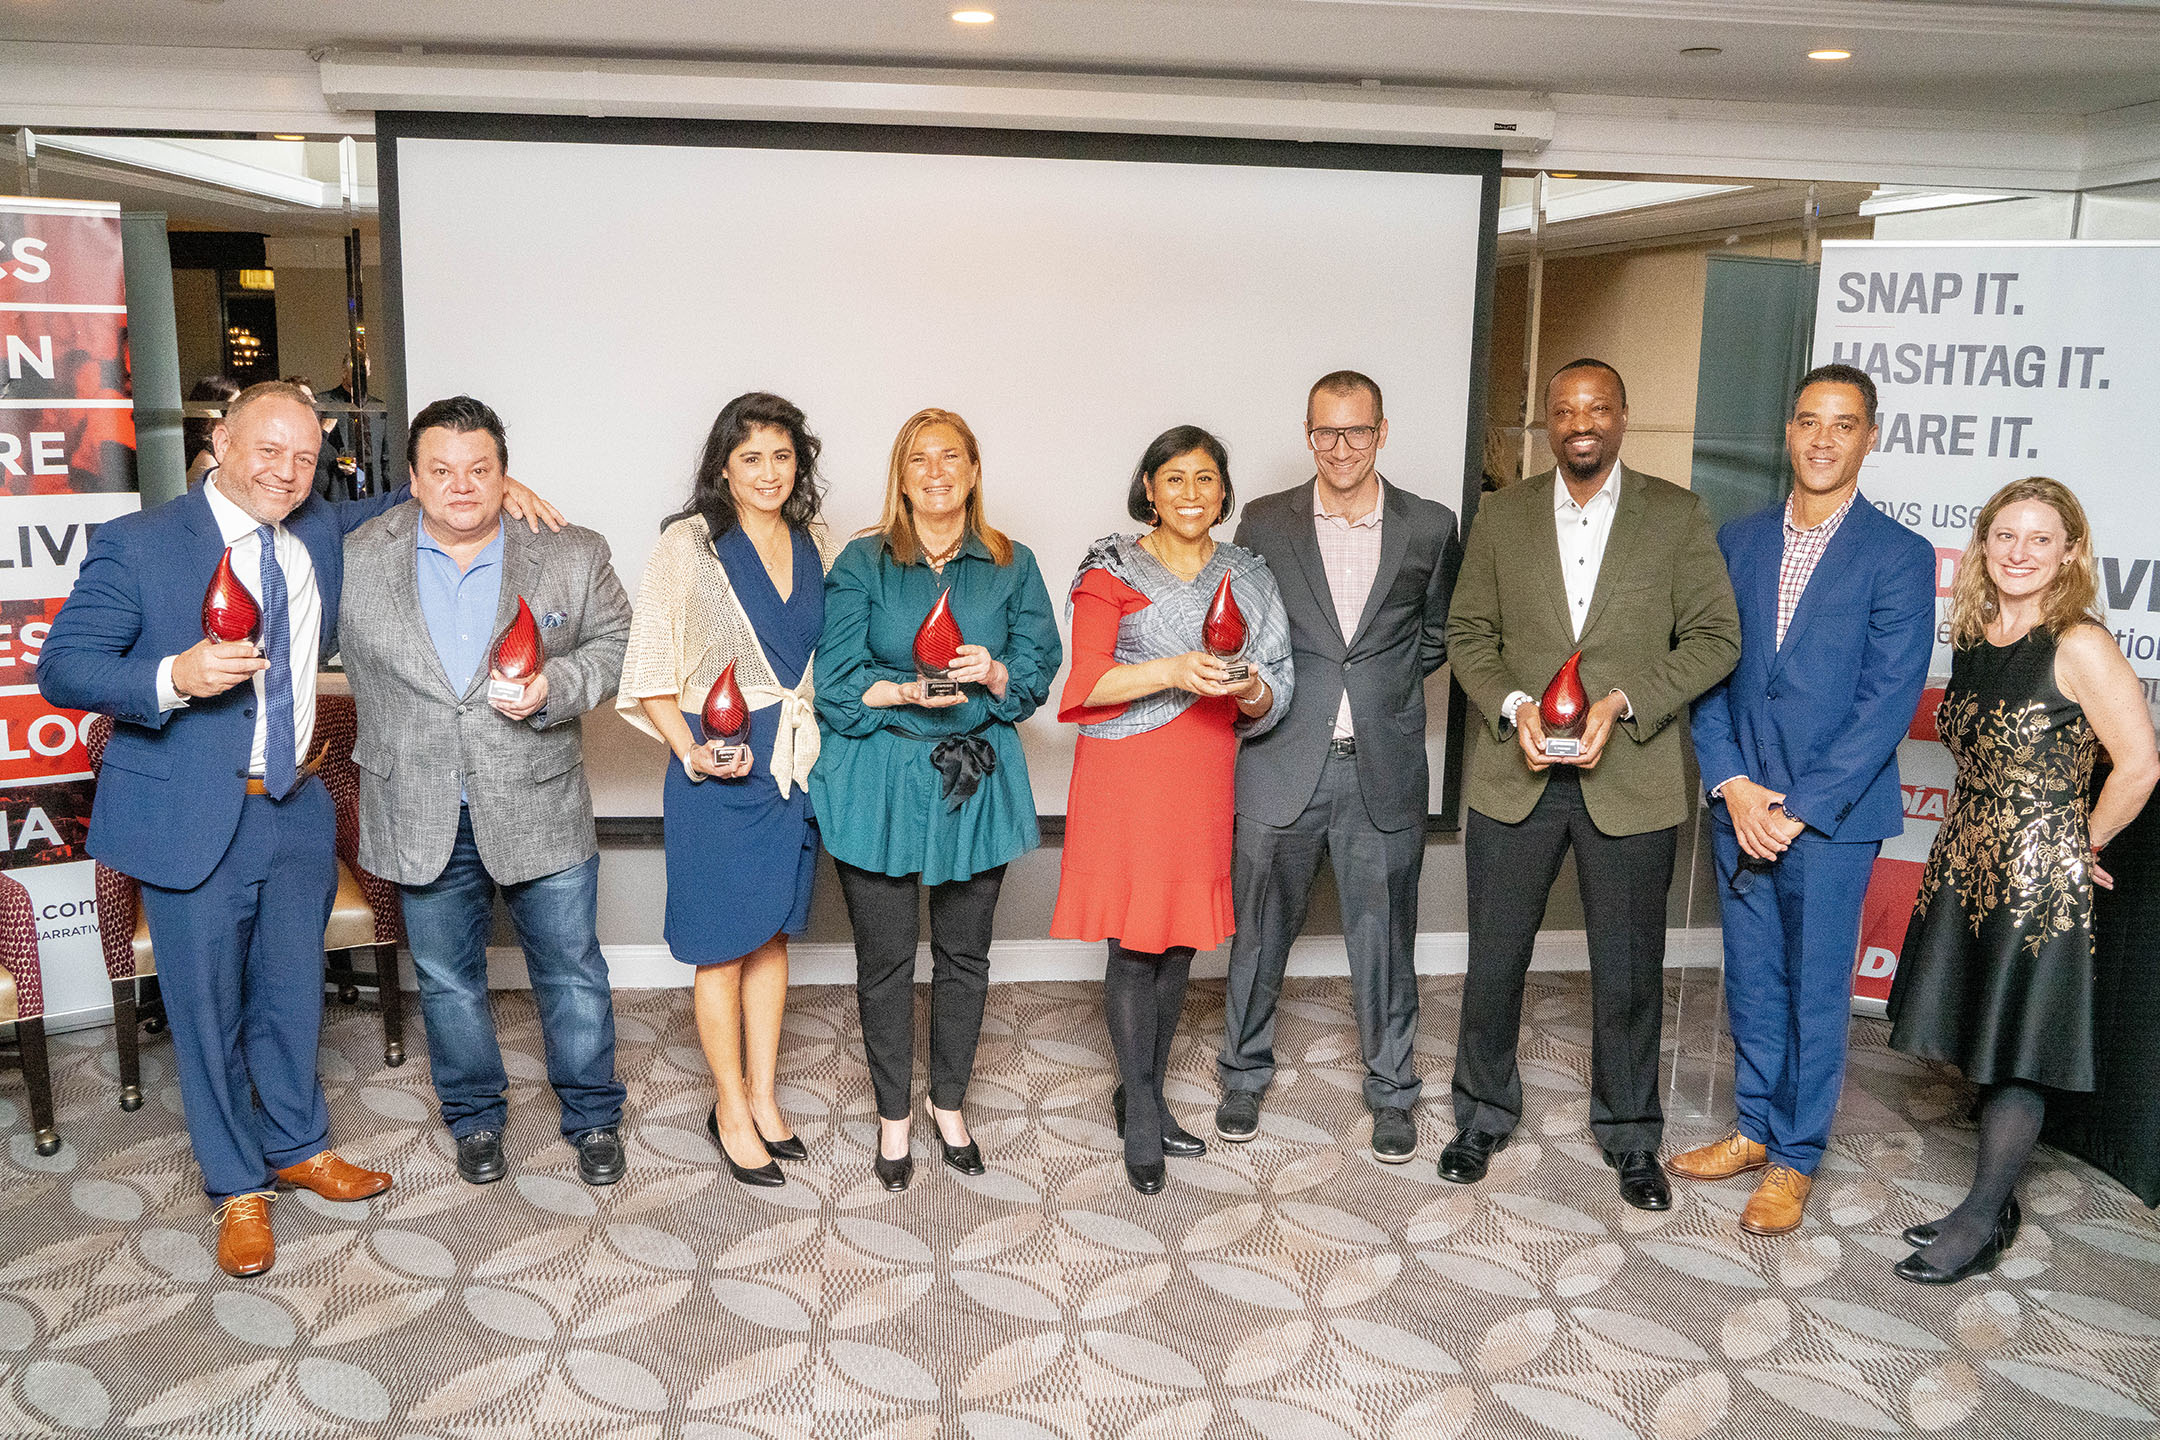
[2010,1117]
[1143,996]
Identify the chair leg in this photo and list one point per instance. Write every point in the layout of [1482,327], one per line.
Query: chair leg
[30,1038]
[392,998]
[126,1040]
[153,1002]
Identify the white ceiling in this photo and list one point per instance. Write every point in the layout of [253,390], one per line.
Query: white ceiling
[2017,56]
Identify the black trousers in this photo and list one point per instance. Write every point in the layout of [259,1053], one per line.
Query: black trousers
[884,912]
[1624,880]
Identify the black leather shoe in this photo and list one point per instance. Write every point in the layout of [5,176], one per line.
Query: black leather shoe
[1237,1119]
[1176,1139]
[1917,1268]
[600,1158]
[789,1149]
[1922,1236]
[1642,1179]
[766,1174]
[1147,1179]
[1466,1156]
[894,1174]
[480,1157]
[1394,1135]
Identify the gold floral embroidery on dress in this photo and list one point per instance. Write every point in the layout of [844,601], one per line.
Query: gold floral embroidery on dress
[2014,838]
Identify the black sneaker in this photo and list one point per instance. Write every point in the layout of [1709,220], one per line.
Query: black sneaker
[600,1156]
[1238,1117]
[1394,1135]
[480,1157]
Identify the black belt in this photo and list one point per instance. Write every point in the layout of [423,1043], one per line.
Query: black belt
[1343,745]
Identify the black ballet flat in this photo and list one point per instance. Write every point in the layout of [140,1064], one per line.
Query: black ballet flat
[791,1148]
[1922,1236]
[1176,1139]
[967,1159]
[894,1174]
[767,1174]
[1147,1179]
[1917,1268]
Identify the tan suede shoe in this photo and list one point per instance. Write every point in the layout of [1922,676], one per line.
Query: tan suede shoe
[334,1178]
[1774,1208]
[244,1244]
[1734,1155]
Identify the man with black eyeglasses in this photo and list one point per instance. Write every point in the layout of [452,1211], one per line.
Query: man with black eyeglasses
[1365,569]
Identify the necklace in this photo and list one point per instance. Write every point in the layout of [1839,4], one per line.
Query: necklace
[937,559]
[1188,576]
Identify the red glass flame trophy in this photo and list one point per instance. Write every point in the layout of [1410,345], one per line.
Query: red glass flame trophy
[518,657]
[727,718]
[1563,710]
[937,646]
[229,613]
[1223,633]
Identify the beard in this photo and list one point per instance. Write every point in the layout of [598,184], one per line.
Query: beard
[1588,467]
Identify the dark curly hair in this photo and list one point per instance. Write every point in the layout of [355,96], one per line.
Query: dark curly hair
[709,494]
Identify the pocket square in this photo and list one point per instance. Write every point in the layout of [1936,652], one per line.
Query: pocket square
[553,619]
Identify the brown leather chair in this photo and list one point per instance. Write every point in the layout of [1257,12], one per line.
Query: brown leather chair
[364,915]
[22,1003]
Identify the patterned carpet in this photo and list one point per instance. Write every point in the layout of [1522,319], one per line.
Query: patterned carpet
[1286,1288]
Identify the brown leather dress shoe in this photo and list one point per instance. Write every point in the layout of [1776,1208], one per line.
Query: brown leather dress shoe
[244,1245]
[1721,1160]
[1774,1208]
[334,1178]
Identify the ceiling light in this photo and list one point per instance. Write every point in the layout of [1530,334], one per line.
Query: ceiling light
[288,137]
[1829,54]
[1560,174]
[1702,52]
[973,17]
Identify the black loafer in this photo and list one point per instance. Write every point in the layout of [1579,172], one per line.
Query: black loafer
[767,1174]
[894,1174]
[1176,1139]
[1642,1179]
[1394,1135]
[600,1158]
[480,1157]
[1237,1119]
[1147,1179]
[1465,1158]
[1922,1236]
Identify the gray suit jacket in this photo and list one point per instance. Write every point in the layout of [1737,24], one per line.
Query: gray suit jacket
[1399,640]
[420,738]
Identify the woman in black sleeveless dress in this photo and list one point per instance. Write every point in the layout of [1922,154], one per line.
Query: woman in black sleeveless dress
[1997,972]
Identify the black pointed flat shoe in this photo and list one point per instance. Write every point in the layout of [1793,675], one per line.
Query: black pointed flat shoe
[767,1174]
[1917,1268]
[1176,1139]
[1922,1236]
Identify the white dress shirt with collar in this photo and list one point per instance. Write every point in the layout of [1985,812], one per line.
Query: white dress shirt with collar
[1583,529]
[1350,553]
[303,611]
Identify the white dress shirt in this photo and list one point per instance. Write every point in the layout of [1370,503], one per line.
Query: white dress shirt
[1583,531]
[1350,553]
[303,612]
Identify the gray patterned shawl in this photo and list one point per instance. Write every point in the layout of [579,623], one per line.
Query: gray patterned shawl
[1170,625]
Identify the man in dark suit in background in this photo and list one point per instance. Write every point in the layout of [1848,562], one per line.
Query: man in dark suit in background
[1365,570]
[1837,621]
[1622,567]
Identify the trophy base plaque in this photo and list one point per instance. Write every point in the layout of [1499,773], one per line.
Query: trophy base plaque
[510,692]
[936,687]
[1236,672]
[728,755]
[1562,747]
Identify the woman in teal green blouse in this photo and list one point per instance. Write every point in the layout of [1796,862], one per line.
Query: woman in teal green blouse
[919,790]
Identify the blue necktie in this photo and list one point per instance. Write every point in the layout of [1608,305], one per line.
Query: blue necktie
[281,765]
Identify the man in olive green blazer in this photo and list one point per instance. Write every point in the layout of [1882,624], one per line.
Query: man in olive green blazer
[1623,567]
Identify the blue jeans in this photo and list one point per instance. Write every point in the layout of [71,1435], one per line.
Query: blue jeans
[447,922]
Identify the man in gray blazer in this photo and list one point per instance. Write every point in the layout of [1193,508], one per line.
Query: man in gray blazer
[464,791]
[1366,570]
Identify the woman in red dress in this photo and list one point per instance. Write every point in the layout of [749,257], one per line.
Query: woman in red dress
[1146,862]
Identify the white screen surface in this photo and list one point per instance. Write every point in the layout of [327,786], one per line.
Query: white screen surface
[608,299]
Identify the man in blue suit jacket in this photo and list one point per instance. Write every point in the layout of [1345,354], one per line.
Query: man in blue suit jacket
[206,795]
[1799,746]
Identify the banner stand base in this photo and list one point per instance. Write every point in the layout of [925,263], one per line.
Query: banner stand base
[1699,1056]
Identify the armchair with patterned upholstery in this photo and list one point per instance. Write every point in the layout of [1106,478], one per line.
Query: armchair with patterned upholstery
[22,1003]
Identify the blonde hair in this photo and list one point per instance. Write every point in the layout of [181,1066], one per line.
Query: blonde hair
[897,523]
[2071,597]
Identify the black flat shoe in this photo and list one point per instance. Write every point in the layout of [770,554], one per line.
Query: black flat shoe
[600,1158]
[480,1157]
[766,1174]
[1147,1179]
[894,1174]
[967,1159]
[1465,1158]
[1642,1179]
[1920,1271]
[1176,1139]
[1922,1236]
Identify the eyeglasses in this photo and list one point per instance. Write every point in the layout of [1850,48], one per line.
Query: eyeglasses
[1361,437]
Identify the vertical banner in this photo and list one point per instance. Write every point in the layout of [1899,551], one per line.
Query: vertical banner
[1994,362]
[67,464]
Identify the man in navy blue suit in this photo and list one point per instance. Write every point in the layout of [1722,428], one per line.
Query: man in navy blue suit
[1799,745]
[207,795]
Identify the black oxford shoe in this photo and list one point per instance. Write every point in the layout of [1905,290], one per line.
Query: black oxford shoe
[1466,1157]
[1642,1179]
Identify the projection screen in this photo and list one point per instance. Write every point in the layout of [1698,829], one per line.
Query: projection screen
[608,285]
